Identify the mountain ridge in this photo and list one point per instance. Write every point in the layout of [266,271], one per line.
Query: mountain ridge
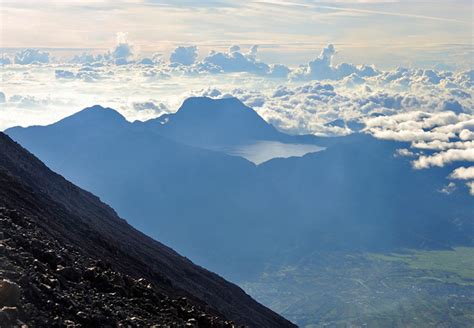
[201,120]
[217,198]
[79,217]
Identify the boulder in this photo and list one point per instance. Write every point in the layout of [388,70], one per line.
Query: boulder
[70,273]
[9,293]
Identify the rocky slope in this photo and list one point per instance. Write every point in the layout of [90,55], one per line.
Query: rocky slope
[48,284]
[67,259]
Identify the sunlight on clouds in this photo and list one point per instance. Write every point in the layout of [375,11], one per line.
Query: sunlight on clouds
[471,187]
[443,158]
[463,173]
[431,109]
[405,28]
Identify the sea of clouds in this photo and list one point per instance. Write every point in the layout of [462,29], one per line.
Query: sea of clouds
[431,109]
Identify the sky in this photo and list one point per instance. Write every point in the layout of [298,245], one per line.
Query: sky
[399,70]
[388,33]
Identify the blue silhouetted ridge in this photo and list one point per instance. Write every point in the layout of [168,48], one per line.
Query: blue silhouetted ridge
[94,116]
[204,121]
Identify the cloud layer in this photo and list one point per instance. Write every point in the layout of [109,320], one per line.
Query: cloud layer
[31,56]
[430,109]
[184,55]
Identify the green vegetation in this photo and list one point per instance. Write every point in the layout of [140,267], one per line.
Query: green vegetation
[412,288]
[451,266]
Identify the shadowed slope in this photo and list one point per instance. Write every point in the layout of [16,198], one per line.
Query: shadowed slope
[75,217]
[226,213]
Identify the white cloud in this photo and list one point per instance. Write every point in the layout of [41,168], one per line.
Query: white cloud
[28,101]
[408,135]
[86,58]
[184,55]
[31,56]
[211,92]
[432,110]
[85,73]
[464,122]
[322,68]
[442,145]
[156,59]
[443,158]
[64,74]
[4,60]
[402,104]
[419,126]
[463,173]
[151,106]
[448,189]
[236,61]
[123,52]
[403,152]
[470,185]
[466,134]
[35,101]
[452,105]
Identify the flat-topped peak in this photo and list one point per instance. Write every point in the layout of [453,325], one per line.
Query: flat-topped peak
[211,103]
[206,121]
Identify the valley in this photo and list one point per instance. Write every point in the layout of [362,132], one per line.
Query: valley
[236,164]
[333,232]
[415,288]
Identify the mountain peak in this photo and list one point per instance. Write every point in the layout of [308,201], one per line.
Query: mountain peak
[206,121]
[208,100]
[94,116]
[98,111]
[206,104]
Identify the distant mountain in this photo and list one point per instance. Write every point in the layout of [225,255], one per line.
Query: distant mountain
[67,258]
[190,198]
[234,217]
[227,125]
[357,195]
[207,122]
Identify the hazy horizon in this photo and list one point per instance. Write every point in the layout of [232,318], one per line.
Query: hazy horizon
[318,154]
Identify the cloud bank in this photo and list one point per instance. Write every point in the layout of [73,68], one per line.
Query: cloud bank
[184,55]
[31,56]
[463,173]
[430,109]
[322,68]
